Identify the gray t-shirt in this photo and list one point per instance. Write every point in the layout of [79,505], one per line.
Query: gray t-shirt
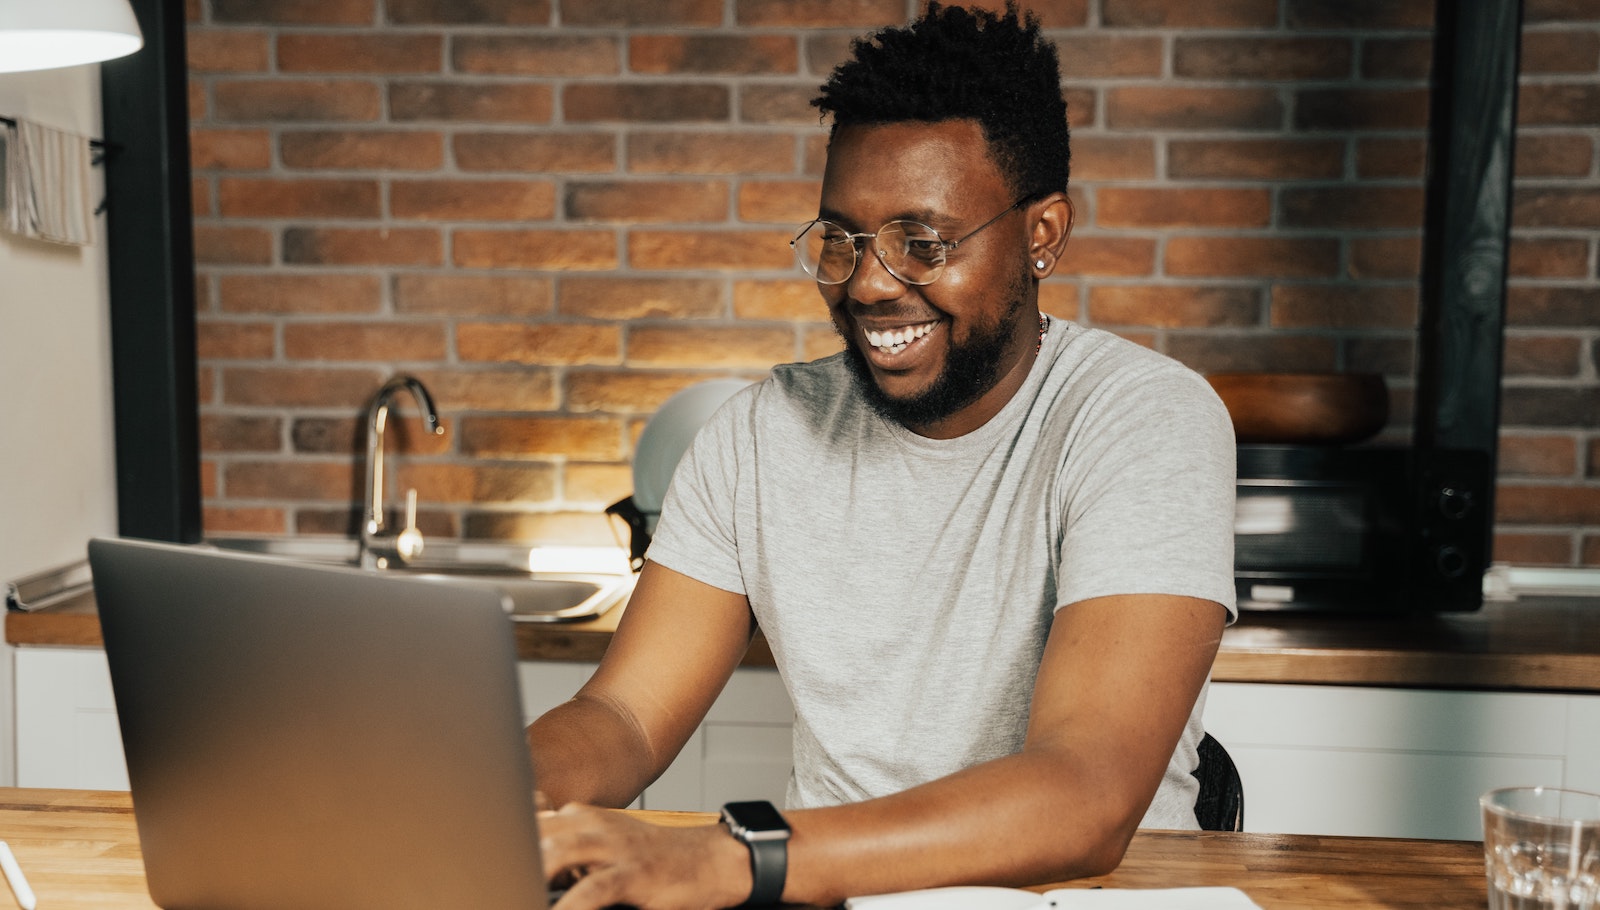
[906,585]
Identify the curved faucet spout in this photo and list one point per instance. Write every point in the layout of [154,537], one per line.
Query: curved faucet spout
[374,511]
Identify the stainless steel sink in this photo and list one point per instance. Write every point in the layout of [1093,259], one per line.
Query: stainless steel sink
[541,584]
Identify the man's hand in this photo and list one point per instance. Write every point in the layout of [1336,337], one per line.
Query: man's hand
[607,858]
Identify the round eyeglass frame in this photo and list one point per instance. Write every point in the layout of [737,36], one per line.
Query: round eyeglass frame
[858,241]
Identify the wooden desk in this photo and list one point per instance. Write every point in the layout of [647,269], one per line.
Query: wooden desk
[80,850]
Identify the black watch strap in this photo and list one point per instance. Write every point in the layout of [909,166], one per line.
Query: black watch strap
[769,862]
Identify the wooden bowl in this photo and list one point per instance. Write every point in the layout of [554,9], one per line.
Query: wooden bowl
[1303,408]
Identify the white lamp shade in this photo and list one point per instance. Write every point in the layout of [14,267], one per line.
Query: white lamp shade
[44,34]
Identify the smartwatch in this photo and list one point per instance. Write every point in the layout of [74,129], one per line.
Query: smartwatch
[763,830]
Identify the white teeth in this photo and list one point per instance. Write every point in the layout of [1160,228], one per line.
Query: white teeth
[893,342]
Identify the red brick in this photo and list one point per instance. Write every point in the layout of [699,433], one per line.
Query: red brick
[1360,14]
[1174,306]
[818,343]
[362,246]
[1541,455]
[566,56]
[1532,549]
[647,201]
[475,12]
[300,386]
[240,197]
[1063,300]
[230,149]
[787,202]
[1591,550]
[550,249]
[369,54]
[1166,13]
[1088,254]
[796,299]
[243,520]
[1261,58]
[1558,103]
[199,110]
[1347,206]
[1267,257]
[825,50]
[709,346]
[479,388]
[227,50]
[472,200]
[479,483]
[778,104]
[1564,50]
[316,480]
[588,438]
[1397,59]
[641,298]
[295,12]
[686,153]
[219,340]
[818,13]
[633,13]
[214,245]
[1594,458]
[1547,356]
[1541,11]
[1344,110]
[560,528]
[546,344]
[1104,55]
[600,484]
[543,151]
[240,433]
[1052,13]
[645,102]
[1270,353]
[1255,159]
[1548,405]
[1097,158]
[280,102]
[713,54]
[628,391]
[208,478]
[1343,306]
[1575,307]
[1391,157]
[1567,207]
[472,103]
[1547,504]
[1546,257]
[1138,207]
[1554,154]
[1171,108]
[1385,257]
[336,150]
[364,341]
[286,293]
[472,295]
[709,250]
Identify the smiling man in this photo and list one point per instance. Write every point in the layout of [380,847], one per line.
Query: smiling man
[991,551]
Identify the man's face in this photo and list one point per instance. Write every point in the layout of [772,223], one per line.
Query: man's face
[948,354]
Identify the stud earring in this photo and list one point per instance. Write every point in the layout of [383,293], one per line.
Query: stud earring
[1039,264]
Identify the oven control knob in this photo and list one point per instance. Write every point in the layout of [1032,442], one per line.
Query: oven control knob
[1455,503]
[1450,560]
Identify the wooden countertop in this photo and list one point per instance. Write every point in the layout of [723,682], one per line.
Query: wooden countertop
[1549,644]
[80,850]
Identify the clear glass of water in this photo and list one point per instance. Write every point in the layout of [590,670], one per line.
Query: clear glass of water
[1541,848]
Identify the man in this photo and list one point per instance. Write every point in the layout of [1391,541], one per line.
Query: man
[992,552]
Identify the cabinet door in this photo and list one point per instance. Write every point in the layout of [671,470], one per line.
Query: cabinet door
[743,750]
[67,734]
[1382,762]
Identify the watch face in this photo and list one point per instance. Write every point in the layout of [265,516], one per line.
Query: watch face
[755,817]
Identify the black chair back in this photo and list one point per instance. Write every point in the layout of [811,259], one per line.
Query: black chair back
[1220,805]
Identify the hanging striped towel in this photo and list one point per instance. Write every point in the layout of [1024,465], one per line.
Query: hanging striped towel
[47,184]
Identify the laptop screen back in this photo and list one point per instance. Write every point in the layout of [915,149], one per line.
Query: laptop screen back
[317,737]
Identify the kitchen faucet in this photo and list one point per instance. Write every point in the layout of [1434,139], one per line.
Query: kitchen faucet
[377,547]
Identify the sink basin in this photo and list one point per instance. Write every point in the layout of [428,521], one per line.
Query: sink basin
[540,584]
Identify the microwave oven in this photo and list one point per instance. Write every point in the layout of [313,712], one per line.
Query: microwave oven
[1362,530]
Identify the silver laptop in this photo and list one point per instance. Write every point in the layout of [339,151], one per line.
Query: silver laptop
[317,737]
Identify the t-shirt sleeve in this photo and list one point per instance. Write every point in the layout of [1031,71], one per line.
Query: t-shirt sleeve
[697,533]
[1148,499]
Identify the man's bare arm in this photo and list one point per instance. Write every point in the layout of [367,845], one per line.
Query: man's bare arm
[673,651]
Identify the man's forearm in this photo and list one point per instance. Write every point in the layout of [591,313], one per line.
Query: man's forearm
[587,751]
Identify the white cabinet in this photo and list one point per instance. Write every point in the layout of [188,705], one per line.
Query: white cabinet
[1395,762]
[67,733]
[742,751]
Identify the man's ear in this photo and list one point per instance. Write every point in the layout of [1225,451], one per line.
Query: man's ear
[1052,226]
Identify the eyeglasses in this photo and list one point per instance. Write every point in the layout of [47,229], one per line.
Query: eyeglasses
[911,251]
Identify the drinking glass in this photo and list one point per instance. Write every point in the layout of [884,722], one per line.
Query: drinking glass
[1541,848]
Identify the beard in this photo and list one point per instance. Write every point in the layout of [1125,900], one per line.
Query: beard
[971,369]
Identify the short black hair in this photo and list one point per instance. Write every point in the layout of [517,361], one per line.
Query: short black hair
[961,64]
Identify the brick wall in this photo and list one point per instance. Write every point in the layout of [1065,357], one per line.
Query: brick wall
[559,212]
